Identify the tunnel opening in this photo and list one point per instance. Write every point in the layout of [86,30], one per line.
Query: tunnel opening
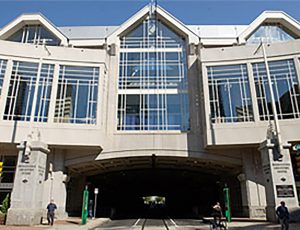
[186,194]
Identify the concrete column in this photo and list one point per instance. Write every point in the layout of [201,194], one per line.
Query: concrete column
[252,186]
[27,194]
[279,179]
[55,184]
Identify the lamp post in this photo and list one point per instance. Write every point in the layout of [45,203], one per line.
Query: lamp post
[278,140]
[96,191]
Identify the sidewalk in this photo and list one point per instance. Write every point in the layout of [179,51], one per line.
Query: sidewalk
[74,224]
[69,224]
[260,226]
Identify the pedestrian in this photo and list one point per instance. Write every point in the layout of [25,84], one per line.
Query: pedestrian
[217,215]
[283,215]
[91,205]
[51,211]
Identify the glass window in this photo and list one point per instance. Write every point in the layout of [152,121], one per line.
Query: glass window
[21,91]
[285,88]
[163,70]
[76,99]
[152,112]
[44,92]
[152,33]
[151,70]
[229,94]
[2,73]
[35,34]
[270,33]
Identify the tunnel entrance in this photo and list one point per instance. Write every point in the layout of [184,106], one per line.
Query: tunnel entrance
[185,194]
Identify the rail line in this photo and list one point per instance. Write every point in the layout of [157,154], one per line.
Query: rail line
[158,224]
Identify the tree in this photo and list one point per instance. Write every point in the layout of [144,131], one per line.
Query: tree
[5,204]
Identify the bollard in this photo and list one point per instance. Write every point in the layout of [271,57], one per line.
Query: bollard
[85,206]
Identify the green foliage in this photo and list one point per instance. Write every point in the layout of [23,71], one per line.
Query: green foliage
[5,204]
[155,199]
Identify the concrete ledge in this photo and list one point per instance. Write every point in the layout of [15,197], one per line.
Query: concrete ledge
[22,216]
[254,211]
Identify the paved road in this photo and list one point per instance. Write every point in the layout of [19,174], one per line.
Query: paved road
[154,224]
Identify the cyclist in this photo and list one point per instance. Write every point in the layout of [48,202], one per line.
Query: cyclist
[217,214]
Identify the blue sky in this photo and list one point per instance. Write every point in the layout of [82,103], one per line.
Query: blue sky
[114,12]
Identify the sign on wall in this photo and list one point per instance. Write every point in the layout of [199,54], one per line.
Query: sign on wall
[285,191]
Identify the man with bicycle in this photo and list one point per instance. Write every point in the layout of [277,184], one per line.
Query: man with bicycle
[217,215]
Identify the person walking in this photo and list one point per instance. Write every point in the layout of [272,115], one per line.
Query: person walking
[91,206]
[283,215]
[51,207]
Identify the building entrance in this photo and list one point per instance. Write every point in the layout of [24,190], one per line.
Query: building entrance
[155,193]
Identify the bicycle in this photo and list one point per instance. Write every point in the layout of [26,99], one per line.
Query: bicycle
[220,224]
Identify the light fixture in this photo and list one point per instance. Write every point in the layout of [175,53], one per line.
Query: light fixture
[152,28]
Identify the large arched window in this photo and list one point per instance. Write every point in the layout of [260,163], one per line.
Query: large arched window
[153,91]
[35,34]
[271,32]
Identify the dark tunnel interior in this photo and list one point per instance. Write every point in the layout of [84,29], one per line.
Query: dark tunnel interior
[187,194]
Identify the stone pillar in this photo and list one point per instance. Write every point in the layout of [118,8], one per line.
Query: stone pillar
[279,179]
[27,194]
[55,184]
[252,186]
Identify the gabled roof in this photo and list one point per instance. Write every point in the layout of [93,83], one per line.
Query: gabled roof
[163,15]
[31,19]
[271,17]
[208,34]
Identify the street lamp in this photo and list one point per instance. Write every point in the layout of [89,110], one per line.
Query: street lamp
[96,191]
[278,142]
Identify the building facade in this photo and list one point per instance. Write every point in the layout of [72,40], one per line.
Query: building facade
[150,107]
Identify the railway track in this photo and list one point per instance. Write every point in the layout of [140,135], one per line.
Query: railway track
[157,224]
[153,224]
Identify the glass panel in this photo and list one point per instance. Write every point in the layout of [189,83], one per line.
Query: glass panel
[47,38]
[21,91]
[149,69]
[76,99]
[229,94]
[44,92]
[269,33]
[16,37]
[152,33]
[152,112]
[2,73]
[35,34]
[31,34]
[285,88]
